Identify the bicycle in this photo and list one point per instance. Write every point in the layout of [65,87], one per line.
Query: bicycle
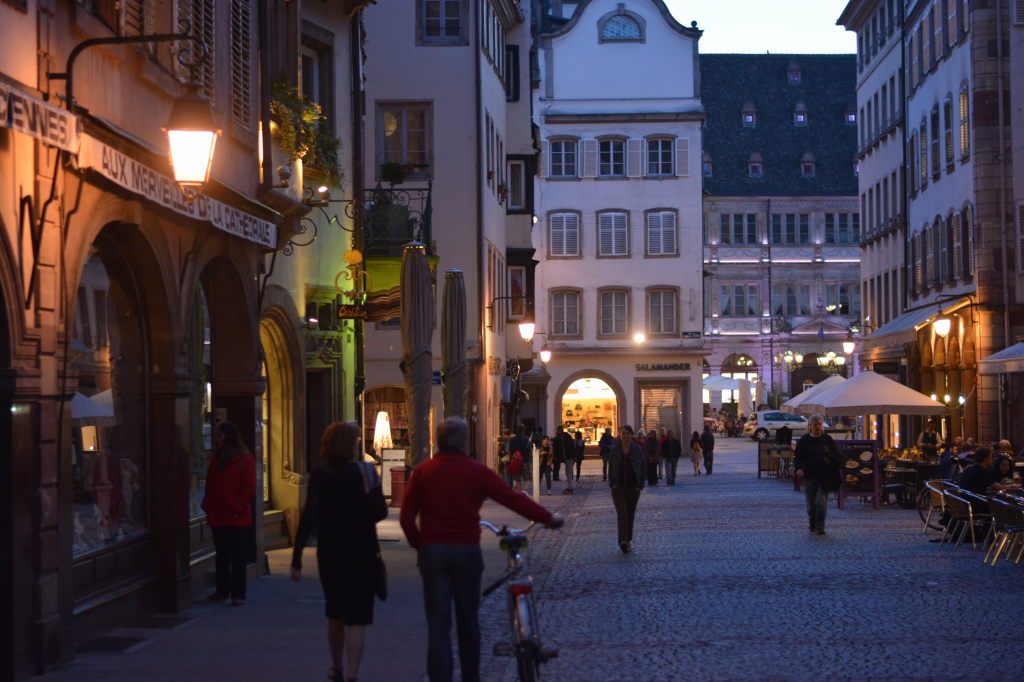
[526,643]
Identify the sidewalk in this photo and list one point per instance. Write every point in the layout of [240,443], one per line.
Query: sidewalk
[280,633]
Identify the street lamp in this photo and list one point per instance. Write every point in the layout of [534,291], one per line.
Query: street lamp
[527,328]
[192,138]
[545,354]
[639,337]
[942,325]
[849,345]
[790,360]
[831,362]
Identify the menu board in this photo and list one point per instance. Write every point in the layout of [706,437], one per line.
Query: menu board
[859,471]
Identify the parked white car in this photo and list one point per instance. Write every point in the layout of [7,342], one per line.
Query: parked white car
[763,425]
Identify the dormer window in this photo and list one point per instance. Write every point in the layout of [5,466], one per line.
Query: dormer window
[755,166]
[793,73]
[851,118]
[706,166]
[621,26]
[807,165]
[800,114]
[748,115]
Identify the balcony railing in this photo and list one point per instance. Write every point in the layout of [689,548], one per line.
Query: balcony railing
[394,217]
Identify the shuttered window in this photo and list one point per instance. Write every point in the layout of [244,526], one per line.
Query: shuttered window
[683,156]
[659,157]
[614,313]
[936,159]
[613,234]
[957,249]
[661,312]
[967,230]
[661,233]
[947,131]
[923,154]
[198,16]
[565,234]
[242,40]
[565,313]
[661,408]
[965,125]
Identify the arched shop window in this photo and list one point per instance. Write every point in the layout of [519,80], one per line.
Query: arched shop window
[108,357]
[201,368]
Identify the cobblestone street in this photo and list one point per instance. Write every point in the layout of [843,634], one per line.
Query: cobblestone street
[725,583]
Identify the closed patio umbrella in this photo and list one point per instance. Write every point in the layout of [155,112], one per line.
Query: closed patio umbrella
[453,344]
[418,321]
[744,407]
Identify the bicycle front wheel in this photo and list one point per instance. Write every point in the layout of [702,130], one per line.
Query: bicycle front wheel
[929,515]
[526,662]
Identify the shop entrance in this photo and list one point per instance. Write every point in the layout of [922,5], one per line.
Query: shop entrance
[663,405]
[591,406]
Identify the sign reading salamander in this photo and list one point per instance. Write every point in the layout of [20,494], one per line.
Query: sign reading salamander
[663,367]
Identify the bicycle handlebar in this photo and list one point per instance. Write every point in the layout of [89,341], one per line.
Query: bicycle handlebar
[505,530]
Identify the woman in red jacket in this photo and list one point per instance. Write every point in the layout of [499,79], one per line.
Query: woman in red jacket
[230,490]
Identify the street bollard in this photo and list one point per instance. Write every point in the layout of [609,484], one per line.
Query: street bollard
[535,471]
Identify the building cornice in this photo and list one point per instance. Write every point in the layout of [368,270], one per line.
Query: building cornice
[662,117]
[692,32]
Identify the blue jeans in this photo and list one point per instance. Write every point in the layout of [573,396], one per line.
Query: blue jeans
[817,502]
[451,574]
[670,469]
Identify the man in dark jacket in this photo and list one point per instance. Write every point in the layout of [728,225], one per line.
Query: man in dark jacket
[671,450]
[626,470]
[816,461]
[557,454]
[607,440]
[707,446]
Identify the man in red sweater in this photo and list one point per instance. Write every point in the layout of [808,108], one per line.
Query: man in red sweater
[446,492]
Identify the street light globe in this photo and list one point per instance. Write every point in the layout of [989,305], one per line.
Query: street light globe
[545,355]
[192,137]
[527,329]
[961,399]
[639,337]
[840,361]
[799,359]
[935,397]
[942,326]
[849,346]
[946,398]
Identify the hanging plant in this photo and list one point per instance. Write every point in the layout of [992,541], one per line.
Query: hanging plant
[302,132]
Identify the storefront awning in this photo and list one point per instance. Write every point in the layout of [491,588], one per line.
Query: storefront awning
[1005,361]
[903,329]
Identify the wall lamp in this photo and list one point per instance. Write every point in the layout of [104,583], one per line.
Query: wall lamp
[191,130]
[527,327]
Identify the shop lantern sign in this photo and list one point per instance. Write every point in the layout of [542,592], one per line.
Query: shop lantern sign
[32,116]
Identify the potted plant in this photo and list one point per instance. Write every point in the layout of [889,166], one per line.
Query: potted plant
[302,133]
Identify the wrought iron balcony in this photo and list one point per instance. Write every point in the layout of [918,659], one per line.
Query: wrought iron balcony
[393,217]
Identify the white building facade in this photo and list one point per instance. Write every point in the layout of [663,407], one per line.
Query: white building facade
[619,298]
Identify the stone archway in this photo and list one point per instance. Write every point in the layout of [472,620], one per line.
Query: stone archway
[558,411]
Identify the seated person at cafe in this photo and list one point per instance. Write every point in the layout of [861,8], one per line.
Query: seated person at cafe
[980,477]
[1003,470]
[948,455]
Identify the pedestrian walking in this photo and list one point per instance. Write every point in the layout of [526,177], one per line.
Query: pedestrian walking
[446,493]
[605,445]
[544,453]
[579,452]
[707,446]
[230,491]
[519,466]
[558,454]
[696,450]
[671,451]
[661,455]
[343,505]
[651,446]
[817,465]
[626,470]
[565,449]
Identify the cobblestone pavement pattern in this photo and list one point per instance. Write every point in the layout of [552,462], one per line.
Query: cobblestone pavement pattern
[725,583]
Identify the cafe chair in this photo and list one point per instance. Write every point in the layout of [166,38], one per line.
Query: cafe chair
[936,498]
[961,518]
[1007,526]
[980,515]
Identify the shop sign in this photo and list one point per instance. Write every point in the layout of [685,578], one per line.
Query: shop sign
[140,179]
[351,312]
[32,116]
[663,367]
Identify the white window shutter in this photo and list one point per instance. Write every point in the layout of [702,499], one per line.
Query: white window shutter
[1018,12]
[589,167]
[654,234]
[668,233]
[634,158]
[683,157]
[621,235]
[605,239]
[544,160]
[557,245]
[572,234]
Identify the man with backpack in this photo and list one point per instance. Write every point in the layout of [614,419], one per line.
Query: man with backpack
[519,451]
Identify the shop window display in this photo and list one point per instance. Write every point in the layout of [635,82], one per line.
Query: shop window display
[201,359]
[108,412]
[589,405]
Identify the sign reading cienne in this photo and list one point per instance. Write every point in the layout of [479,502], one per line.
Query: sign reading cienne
[663,367]
[160,189]
[41,120]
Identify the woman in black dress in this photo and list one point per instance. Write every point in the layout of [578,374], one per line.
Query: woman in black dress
[343,506]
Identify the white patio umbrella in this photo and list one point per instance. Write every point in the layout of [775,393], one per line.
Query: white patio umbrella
[745,405]
[871,393]
[795,405]
[720,383]
[761,392]
[84,407]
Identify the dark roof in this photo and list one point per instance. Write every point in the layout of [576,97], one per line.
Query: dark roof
[828,88]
